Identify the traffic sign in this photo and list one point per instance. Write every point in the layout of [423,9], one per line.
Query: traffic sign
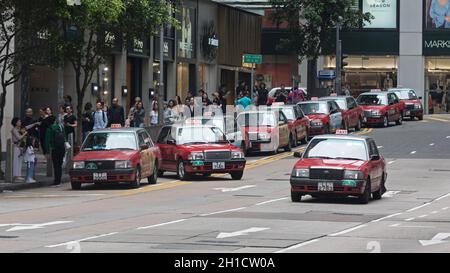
[252,59]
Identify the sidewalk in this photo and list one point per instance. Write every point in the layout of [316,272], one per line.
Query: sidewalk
[41,178]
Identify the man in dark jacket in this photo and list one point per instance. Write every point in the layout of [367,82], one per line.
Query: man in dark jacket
[116,114]
[29,120]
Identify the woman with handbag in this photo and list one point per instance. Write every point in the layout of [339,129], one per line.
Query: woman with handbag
[18,136]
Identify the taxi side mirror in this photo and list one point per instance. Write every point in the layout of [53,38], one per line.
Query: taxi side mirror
[298,154]
[374,157]
[144,147]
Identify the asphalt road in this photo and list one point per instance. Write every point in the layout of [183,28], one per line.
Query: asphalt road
[253,215]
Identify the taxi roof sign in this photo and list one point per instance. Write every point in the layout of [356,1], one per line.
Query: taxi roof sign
[277,103]
[375,90]
[116,126]
[193,122]
[314,98]
[341,132]
[333,95]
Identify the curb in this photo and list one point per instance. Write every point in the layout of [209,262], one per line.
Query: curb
[5,187]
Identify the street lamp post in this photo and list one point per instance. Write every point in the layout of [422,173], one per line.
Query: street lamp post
[161,75]
[338,82]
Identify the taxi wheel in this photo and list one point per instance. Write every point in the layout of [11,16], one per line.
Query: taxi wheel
[379,193]
[160,173]
[400,120]
[385,121]
[288,148]
[365,197]
[206,174]
[154,177]
[181,171]
[358,125]
[296,196]
[421,117]
[75,186]
[237,175]
[137,180]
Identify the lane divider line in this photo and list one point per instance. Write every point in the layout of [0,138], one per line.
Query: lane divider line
[297,246]
[222,211]
[347,230]
[82,240]
[162,224]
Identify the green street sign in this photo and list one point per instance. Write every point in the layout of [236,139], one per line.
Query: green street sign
[252,59]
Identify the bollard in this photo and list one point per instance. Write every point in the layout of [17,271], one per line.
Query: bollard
[9,161]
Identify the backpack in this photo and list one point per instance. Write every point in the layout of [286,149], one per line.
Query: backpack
[59,139]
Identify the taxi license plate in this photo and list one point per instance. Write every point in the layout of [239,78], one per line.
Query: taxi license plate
[100,176]
[218,165]
[325,186]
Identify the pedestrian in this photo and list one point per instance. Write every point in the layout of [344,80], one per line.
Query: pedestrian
[347,90]
[67,100]
[87,122]
[56,143]
[240,88]
[132,111]
[154,119]
[61,114]
[70,123]
[205,99]
[262,94]
[30,158]
[100,118]
[179,107]
[18,135]
[45,123]
[29,120]
[116,114]
[220,102]
[139,115]
[170,113]
[280,95]
[244,101]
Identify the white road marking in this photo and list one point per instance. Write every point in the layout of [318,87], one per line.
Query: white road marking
[419,207]
[391,162]
[390,194]
[437,239]
[223,211]
[442,197]
[271,201]
[423,216]
[235,189]
[395,225]
[399,225]
[19,226]
[448,137]
[298,246]
[380,147]
[386,217]
[347,231]
[413,152]
[446,208]
[82,240]
[162,224]
[431,144]
[410,219]
[434,212]
[223,235]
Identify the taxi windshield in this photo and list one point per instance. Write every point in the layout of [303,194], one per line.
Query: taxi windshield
[372,99]
[406,94]
[314,108]
[337,149]
[288,112]
[110,141]
[257,119]
[200,135]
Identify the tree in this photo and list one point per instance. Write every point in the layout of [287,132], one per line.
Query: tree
[311,24]
[85,31]
[22,26]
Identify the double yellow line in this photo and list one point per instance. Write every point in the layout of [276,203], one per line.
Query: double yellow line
[437,119]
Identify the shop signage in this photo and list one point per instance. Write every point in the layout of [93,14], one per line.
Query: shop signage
[138,46]
[213,41]
[252,59]
[209,42]
[167,49]
[327,74]
[383,11]
[435,14]
[186,33]
[436,43]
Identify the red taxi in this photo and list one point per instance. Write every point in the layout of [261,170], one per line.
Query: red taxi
[352,113]
[381,108]
[116,155]
[325,116]
[298,122]
[264,131]
[198,149]
[338,165]
[413,103]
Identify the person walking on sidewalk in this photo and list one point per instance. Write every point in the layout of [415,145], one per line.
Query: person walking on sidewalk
[139,115]
[116,114]
[18,136]
[87,122]
[56,143]
[100,117]
[30,158]
[70,123]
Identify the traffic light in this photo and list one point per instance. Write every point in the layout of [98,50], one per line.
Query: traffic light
[343,62]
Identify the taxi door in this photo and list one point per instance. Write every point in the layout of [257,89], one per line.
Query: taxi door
[376,165]
[283,130]
[392,107]
[335,116]
[167,156]
[301,123]
[353,112]
[146,160]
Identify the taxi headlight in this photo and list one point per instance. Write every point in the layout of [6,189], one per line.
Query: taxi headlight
[237,155]
[354,175]
[122,164]
[417,106]
[78,165]
[316,123]
[300,173]
[196,156]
